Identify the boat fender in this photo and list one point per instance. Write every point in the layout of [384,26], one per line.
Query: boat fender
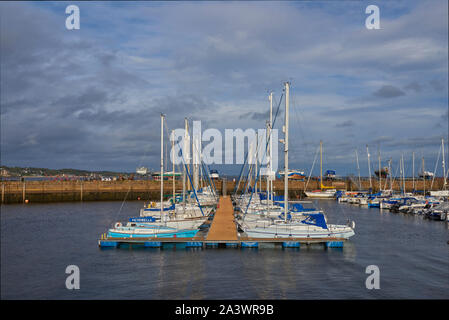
[352,224]
[118,225]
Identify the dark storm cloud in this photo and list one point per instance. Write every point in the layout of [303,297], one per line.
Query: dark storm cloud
[388,91]
[415,86]
[438,84]
[58,94]
[256,115]
[88,99]
[262,117]
[92,97]
[345,124]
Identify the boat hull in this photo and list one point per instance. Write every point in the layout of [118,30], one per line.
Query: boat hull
[321,195]
[273,233]
[155,234]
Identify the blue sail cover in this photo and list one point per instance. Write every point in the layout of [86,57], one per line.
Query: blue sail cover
[339,193]
[263,196]
[315,219]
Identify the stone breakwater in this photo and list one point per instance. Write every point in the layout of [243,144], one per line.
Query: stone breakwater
[60,191]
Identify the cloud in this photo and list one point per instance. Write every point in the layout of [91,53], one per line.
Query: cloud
[438,84]
[92,98]
[261,117]
[388,91]
[415,86]
[345,124]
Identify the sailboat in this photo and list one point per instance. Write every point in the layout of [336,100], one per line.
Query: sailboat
[288,224]
[444,192]
[324,192]
[163,222]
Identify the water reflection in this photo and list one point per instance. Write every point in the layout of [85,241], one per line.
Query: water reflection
[43,239]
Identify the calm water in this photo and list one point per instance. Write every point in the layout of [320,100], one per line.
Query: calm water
[38,241]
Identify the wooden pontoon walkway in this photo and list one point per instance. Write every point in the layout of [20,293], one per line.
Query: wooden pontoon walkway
[223,227]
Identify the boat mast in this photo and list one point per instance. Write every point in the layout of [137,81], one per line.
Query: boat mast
[444,166]
[423,177]
[267,186]
[403,173]
[380,173]
[162,163]
[358,167]
[400,175]
[369,169]
[270,198]
[287,92]
[195,161]
[257,160]
[200,161]
[389,174]
[185,155]
[268,124]
[173,161]
[413,169]
[189,158]
[321,165]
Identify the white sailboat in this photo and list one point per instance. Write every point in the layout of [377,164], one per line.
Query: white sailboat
[302,225]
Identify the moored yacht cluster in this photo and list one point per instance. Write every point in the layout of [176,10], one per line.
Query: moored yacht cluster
[261,214]
[181,216]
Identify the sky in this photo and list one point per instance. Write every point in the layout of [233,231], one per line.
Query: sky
[91,98]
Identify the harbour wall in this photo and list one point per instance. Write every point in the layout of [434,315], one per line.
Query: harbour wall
[60,191]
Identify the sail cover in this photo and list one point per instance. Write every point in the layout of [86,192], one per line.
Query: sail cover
[316,219]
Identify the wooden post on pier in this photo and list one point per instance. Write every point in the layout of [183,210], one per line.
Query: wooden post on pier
[81,190]
[3,193]
[23,192]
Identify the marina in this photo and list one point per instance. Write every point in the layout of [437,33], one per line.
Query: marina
[244,219]
[222,233]
[224,150]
